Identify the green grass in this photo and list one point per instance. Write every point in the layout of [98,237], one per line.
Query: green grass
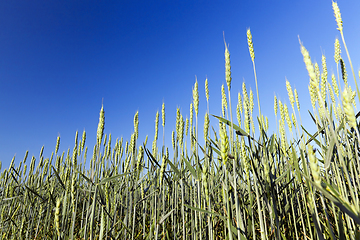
[237,185]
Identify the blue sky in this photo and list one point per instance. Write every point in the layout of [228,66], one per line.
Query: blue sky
[60,59]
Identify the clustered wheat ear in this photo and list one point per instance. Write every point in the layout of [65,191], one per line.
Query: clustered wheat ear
[139,158]
[205,176]
[101,125]
[315,169]
[173,141]
[323,77]
[206,127]
[308,64]
[287,117]
[154,145]
[41,154]
[83,139]
[317,72]
[207,90]
[290,93]
[191,115]
[343,72]
[163,114]
[57,144]
[246,109]
[227,68]
[136,125]
[239,110]
[297,100]
[57,216]
[348,109]
[182,129]
[337,51]
[178,114]
[224,144]
[250,44]
[162,170]
[196,98]
[275,105]
[224,105]
[252,55]
[337,16]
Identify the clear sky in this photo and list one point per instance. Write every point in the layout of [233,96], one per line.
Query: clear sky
[60,59]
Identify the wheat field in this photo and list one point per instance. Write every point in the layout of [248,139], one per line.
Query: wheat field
[242,183]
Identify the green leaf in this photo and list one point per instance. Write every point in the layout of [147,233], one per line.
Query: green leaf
[233,229]
[85,177]
[58,177]
[151,157]
[282,176]
[215,149]
[166,216]
[239,131]
[105,180]
[341,126]
[205,211]
[329,152]
[191,168]
[8,199]
[318,231]
[344,206]
[333,190]
[272,144]
[92,216]
[313,136]
[296,164]
[341,227]
[140,180]
[283,236]
[34,192]
[174,168]
[123,227]
[102,225]
[177,172]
